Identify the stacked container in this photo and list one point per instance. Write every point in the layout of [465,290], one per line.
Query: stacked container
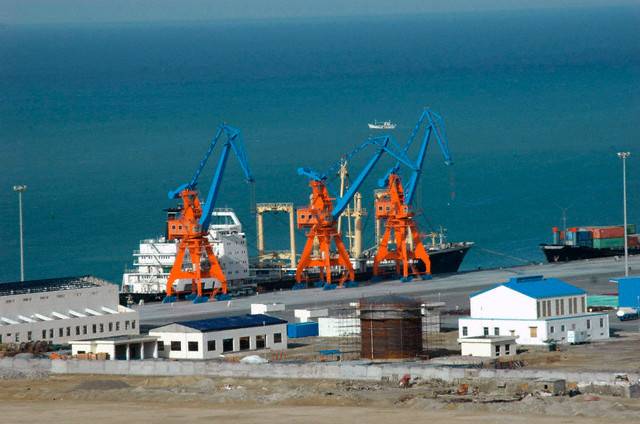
[609,237]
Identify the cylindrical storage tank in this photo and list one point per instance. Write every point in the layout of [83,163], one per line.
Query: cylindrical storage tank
[390,328]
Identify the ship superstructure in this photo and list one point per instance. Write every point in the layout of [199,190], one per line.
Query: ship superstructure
[155,257]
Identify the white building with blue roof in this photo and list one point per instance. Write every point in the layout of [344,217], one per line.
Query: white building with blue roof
[213,337]
[536,310]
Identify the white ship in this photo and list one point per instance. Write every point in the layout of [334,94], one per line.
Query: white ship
[386,125]
[155,257]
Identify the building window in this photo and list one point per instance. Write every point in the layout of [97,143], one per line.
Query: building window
[583,302]
[102,328]
[133,324]
[507,349]
[533,332]
[277,337]
[17,337]
[51,333]
[192,346]
[570,306]
[588,324]
[538,308]
[60,332]
[465,331]
[211,345]
[117,325]
[245,343]
[68,331]
[575,305]
[496,331]
[562,306]
[552,329]
[485,331]
[94,327]
[176,346]
[261,341]
[497,350]
[160,346]
[549,308]
[601,322]
[110,326]
[44,334]
[227,345]
[126,325]
[562,328]
[557,306]
[29,335]
[84,329]
[573,326]
[77,330]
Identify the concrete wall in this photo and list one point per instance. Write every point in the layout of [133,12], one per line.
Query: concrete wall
[487,349]
[338,371]
[502,302]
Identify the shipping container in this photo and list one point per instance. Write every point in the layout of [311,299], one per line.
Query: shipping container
[629,292]
[608,232]
[302,329]
[584,235]
[633,240]
[603,243]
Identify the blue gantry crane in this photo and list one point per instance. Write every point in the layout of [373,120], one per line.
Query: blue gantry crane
[320,217]
[394,204]
[191,225]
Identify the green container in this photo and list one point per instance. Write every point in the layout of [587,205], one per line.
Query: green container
[631,229]
[608,243]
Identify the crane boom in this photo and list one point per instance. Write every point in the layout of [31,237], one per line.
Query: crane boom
[233,142]
[435,126]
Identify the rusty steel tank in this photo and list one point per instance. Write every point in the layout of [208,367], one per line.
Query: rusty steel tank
[391,328]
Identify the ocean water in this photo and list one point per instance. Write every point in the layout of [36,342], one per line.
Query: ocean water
[100,121]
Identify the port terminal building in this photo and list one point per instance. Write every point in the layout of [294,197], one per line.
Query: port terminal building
[60,310]
[536,310]
[215,337]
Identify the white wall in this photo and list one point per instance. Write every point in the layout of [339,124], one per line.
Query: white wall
[502,302]
[338,327]
[203,338]
[487,349]
[521,328]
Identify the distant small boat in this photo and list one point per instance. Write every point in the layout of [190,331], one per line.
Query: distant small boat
[386,125]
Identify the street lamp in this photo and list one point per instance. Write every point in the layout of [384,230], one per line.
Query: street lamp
[624,156]
[21,189]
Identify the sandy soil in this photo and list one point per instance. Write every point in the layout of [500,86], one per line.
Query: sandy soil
[100,399]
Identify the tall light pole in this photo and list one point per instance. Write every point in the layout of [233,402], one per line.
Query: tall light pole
[624,156]
[21,189]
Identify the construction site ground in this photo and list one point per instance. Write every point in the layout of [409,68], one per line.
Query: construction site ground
[99,399]
[621,353]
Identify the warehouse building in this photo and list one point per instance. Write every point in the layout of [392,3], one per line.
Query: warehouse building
[210,338]
[536,310]
[59,310]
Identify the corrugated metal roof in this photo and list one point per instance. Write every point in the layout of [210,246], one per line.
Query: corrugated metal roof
[229,323]
[538,287]
[48,285]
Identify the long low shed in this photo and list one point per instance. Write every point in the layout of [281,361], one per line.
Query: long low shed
[210,338]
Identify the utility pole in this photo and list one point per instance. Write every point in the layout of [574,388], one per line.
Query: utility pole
[624,156]
[21,189]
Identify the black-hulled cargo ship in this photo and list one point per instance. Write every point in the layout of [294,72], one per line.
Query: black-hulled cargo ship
[579,243]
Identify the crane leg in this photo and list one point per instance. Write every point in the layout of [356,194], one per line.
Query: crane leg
[215,271]
[306,255]
[325,248]
[344,259]
[383,250]
[420,252]
[176,270]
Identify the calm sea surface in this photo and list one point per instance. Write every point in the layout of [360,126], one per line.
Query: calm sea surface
[101,121]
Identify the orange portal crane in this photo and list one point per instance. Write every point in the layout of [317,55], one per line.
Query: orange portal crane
[394,206]
[191,225]
[321,216]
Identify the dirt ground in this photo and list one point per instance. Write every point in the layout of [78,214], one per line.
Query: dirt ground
[99,399]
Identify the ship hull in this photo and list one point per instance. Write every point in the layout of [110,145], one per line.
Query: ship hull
[444,261]
[562,253]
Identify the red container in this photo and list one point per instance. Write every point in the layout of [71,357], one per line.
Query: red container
[633,240]
[608,232]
